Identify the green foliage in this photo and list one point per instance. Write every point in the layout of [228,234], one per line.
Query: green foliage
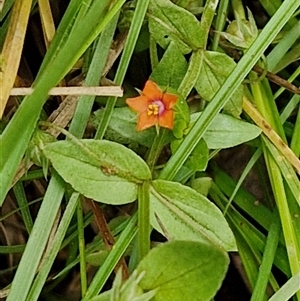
[122,127]
[198,159]
[240,32]
[179,212]
[202,185]
[215,69]
[204,216]
[101,170]
[171,23]
[171,69]
[227,131]
[183,277]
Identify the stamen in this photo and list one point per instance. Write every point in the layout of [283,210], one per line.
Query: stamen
[153,109]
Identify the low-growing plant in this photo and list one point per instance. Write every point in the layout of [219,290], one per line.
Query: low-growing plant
[153,149]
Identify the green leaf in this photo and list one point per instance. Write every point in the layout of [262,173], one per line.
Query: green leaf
[171,69]
[102,170]
[198,159]
[216,67]
[169,22]
[181,213]
[122,127]
[194,6]
[227,131]
[184,270]
[182,117]
[202,185]
[97,258]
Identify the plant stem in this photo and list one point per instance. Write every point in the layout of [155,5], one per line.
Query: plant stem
[143,220]
[156,148]
[81,243]
[144,197]
[220,22]
[206,20]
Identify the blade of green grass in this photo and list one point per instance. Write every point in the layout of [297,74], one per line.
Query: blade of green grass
[37,241]
[144,220]
[255,238]
[23,204]
[82,252]
[55,247]
[272,6]
[220,22]
[283,46]
[280,196]
[93,247]
[262,91]
[295,142]
[61,34]
[246,171]
[12,249]
[288,289]
[286,169]
[97,64]
[5,9]
[267,260]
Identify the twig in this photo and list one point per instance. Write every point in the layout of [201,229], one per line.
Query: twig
[107,237]
[99,91]
[271,134]
[271,76]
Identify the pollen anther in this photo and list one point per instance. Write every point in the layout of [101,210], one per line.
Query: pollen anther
[152,109]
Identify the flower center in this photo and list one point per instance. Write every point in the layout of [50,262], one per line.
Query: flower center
[155,108]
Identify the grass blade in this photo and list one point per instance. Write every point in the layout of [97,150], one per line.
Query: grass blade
[37,241]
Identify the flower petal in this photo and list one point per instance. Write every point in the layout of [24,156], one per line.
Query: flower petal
[152,91]
[169,100]
[146,121]
[166,120]
[138,104]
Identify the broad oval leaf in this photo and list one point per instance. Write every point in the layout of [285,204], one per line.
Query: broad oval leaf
[122,127]
[184,270]
[180,213]
[226,131]
[171,69]
[216,67]
[169,22]
[202,185]
[198,159]
[105,171]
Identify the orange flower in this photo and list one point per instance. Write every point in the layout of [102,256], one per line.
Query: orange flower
[154,107]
